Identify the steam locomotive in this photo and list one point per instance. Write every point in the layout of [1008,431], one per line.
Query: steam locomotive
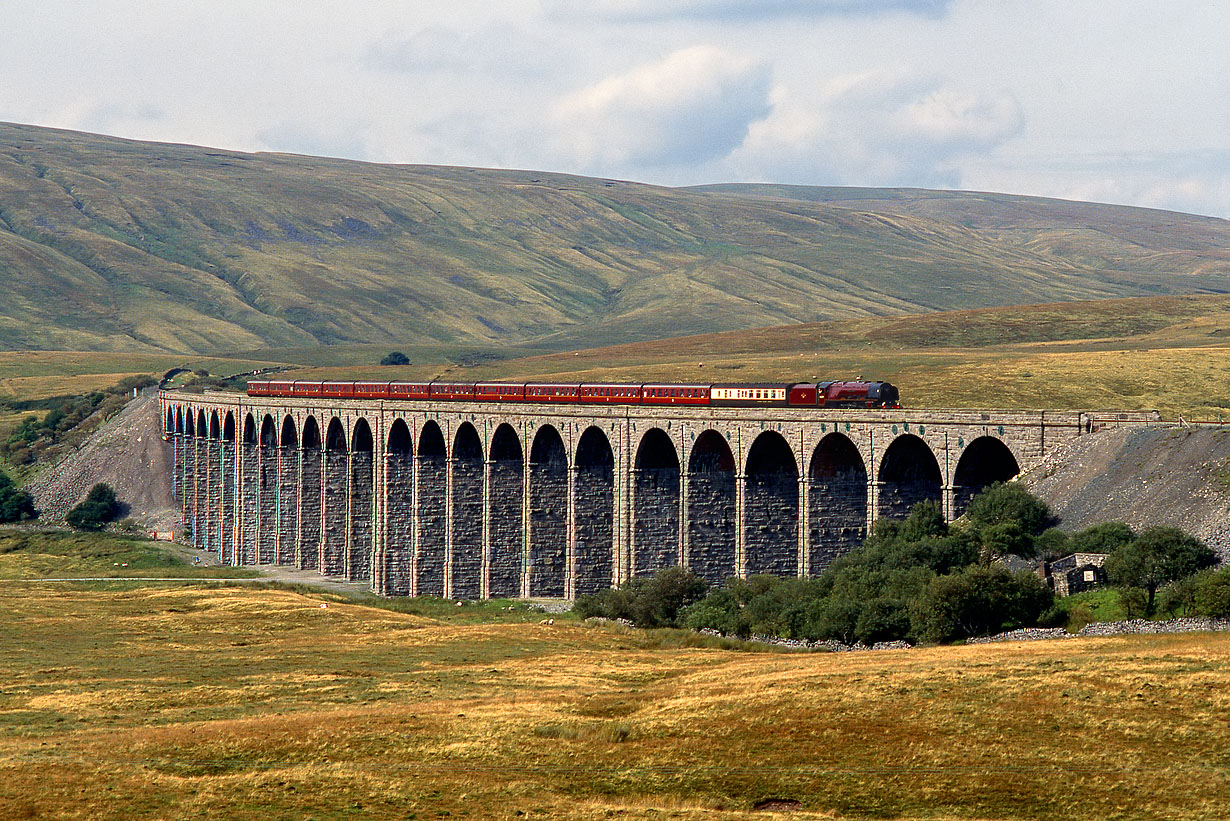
[849,394]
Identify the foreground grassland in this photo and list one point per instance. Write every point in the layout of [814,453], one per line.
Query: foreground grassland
[202,701]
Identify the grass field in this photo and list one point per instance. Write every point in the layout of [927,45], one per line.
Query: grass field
[26,375]
[159,701]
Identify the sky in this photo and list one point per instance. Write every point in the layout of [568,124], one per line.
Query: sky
[1121,101]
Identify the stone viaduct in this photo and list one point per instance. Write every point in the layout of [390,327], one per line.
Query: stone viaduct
[474,500]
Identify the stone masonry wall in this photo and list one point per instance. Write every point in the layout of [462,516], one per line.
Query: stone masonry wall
[335,515]
[429,564]
[310,512]
[399,527]
[595,533]
[249,501]
[268,533]
[288,505]
[655,534]
[467,556]
[228,508]
[359,556]
[507,535]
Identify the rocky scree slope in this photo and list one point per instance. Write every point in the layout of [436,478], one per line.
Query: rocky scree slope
[128,453]
[1143,476]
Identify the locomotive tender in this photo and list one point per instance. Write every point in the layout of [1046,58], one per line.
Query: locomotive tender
[849,394]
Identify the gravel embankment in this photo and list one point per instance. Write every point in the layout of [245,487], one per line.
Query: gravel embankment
[128,453]
[1143,476]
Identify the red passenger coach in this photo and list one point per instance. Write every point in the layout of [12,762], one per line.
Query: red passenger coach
[371,390]
[551,392]
[499,392]
[409,390]
[452,390]
[302,388]
[675,394]
[611,394]
[337,390]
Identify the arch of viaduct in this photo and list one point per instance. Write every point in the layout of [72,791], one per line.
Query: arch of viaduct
[481,500]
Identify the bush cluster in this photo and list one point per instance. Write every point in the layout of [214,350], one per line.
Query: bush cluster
[916,579]
[395,358]
[15,504]
[1206,593]
[653,601]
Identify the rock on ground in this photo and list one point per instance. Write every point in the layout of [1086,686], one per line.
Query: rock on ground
[1144,476]
[128,453]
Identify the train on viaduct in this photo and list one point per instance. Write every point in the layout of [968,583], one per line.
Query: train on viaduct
[476,500]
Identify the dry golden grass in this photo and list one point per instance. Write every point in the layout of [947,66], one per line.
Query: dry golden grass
[29,375]
[233,703]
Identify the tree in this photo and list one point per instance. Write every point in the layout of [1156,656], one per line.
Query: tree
[646,602]
[1001,502]
[1104,538]
[980,600]
[15,504]
[395,358]
[1157,556]
[1007,519]
[1212,594]
[662,597]
[1052,544]
[98,508]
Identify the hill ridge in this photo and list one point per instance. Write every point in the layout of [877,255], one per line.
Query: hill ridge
[114,244]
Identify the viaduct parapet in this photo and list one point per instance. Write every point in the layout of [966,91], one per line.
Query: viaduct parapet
[474,500]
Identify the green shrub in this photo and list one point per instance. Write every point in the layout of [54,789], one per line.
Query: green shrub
[1001,503]
[15,504]
[1104,538]
[979,601]
[98,508]
[655,601]
[1157,556]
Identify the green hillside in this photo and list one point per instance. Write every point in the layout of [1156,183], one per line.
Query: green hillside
[108,244]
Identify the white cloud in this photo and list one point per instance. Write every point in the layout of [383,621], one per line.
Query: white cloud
[693,106]
[739,10]
[876,129]
[1195,182]
[985,93]
[488,50]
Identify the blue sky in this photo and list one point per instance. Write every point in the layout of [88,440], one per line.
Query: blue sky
[1107,100]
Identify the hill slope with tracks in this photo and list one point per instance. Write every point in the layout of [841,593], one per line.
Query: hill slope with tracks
[109,244]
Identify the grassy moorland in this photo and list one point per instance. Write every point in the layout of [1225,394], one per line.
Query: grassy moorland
[208,702]
[109,244]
